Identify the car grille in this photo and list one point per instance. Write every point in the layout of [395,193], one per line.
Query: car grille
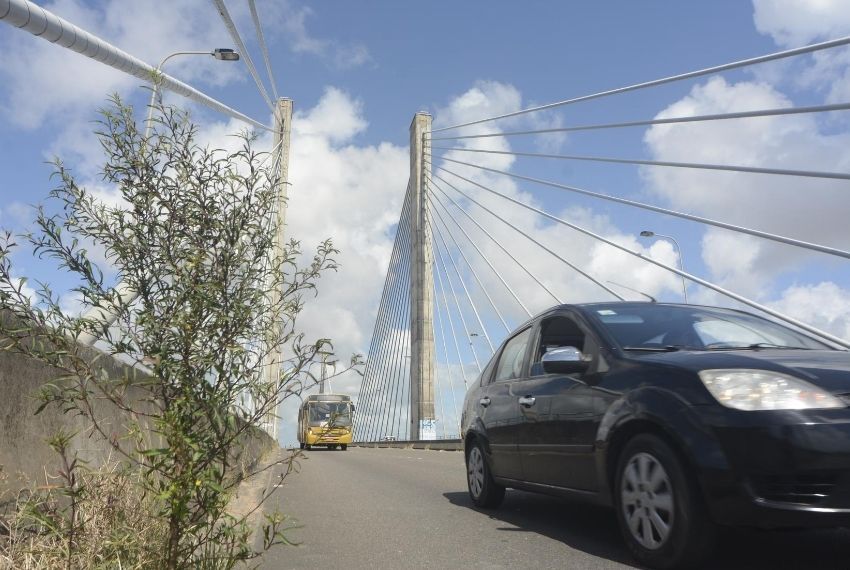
[801,489]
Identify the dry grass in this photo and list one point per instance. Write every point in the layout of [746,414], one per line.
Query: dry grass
[116,526]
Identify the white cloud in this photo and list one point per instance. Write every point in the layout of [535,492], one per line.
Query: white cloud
[807,209]
[803,208]
[824,305]
[798,22]
[337,117]
[793,23]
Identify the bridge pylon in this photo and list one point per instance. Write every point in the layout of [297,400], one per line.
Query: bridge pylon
[422,417]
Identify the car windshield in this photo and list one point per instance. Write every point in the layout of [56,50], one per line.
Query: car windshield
[651,327]
[330,413]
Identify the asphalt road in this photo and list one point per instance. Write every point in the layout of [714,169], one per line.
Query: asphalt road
[395,508]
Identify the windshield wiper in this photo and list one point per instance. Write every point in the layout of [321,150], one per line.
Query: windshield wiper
[668,348]
[756,346]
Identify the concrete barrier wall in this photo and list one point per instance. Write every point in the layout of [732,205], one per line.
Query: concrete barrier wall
[24,453]
[436,444]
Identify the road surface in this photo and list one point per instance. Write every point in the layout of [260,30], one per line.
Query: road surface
[400,508]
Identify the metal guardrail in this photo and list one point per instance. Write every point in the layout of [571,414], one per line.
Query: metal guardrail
[434,444]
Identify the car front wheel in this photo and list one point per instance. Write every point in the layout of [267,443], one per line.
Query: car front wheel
[483,490]
[661,513]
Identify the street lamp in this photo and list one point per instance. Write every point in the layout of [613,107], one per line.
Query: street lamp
[648,234]
[221,54]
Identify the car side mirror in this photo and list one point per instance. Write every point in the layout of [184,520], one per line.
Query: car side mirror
[565,360]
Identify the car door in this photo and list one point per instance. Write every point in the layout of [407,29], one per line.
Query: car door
[557,436]
[498,406]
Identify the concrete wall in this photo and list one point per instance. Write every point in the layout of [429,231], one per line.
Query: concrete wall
[23,450]
[434,444]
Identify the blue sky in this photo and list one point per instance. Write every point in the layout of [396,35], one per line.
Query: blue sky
[358,71]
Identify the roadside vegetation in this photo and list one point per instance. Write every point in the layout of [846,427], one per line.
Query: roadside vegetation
[193,292]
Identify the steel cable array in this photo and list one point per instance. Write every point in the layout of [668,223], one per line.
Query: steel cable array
[44,24]
[261,39]
[393,305]
[452,235]
[237,39]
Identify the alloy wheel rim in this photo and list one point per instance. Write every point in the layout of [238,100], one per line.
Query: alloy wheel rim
[475,471]
[647,501]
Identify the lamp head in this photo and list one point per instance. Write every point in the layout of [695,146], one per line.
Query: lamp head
[647,233]
[225,54]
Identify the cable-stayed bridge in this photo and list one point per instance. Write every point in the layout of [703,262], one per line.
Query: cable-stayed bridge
[464,269]
[485,285]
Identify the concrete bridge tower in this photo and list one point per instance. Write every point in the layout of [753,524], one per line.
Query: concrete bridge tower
[422,416]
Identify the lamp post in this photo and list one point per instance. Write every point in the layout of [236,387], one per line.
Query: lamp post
[648,234]
[221,54]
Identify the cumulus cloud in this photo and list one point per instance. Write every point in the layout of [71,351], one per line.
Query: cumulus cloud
[353,194]
[797,22]
[806,209]
[824,305]
[793,23]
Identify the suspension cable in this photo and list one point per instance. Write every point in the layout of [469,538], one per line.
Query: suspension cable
[391,363]
[261,38]
[452,326]
[439,407]
[495,241]
[449,374]
[399,313]
[671,269]
[693,165]
[237,39]
[463,285]
[444,267]
[682,76]
[472,270]
[380,320]
[403,368]
[528,236]
[481,253]
[665,121]
[398,359]
[659,209]
[46,25]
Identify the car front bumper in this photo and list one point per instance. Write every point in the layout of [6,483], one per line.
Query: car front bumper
[784,469]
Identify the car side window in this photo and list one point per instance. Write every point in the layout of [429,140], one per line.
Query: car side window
[512,357]
[560,331]
[488,371]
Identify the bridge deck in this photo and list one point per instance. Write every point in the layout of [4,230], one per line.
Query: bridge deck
[407,508]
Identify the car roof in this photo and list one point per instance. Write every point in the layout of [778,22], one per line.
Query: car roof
[585,307]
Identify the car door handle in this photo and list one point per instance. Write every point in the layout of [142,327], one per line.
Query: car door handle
[526,401]
[485,401]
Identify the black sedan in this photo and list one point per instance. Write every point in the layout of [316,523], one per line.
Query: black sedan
[680,417]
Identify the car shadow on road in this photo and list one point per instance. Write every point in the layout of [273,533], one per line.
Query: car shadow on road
[580,526]
[593,530]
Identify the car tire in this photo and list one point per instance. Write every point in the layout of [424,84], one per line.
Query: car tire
[659,507]
[344,446]
[483,490]
[302,445]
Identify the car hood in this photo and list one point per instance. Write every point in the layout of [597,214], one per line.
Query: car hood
[828,369]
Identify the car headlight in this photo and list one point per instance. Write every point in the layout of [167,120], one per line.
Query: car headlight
[744,389]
